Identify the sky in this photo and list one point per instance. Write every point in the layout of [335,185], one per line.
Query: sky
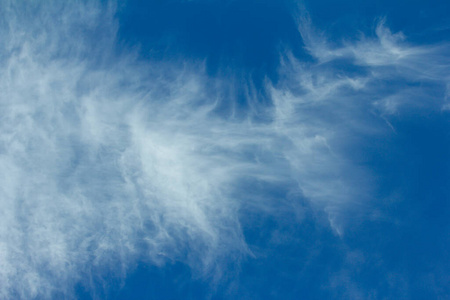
[206,149]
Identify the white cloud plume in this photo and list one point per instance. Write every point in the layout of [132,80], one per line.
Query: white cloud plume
[396,72]
[106,160]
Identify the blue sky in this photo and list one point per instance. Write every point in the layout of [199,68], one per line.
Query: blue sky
[211,149]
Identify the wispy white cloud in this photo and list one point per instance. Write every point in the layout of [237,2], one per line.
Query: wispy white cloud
[389,64]
[106,160]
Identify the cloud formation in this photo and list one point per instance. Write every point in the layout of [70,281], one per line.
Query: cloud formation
[107,160]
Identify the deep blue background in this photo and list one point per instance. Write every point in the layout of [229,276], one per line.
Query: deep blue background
[403,253]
